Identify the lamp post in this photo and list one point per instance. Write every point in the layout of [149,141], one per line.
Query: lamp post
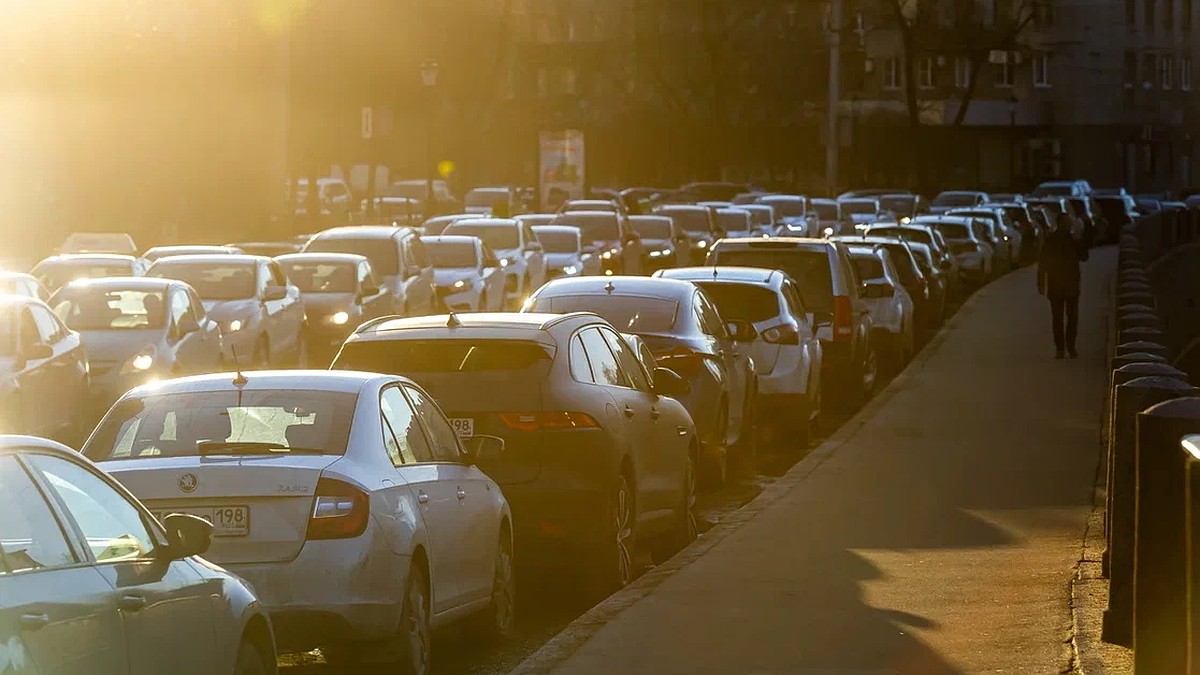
[429,76]
[1012,143]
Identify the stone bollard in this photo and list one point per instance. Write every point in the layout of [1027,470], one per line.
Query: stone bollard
[1131,277]
[1132,397]
[1191,532]
[1136,357]
[1141,346]
[1140,333]
[1137,297]
[1139,320]
[1133,308]
[1159,575]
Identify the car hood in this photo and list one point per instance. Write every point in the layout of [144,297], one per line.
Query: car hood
[449,275]
[117,345]
[562,259]
[228,310]
[320,304]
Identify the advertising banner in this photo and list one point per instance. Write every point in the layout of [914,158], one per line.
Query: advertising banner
[560,167]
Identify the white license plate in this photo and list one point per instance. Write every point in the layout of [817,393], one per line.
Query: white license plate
[228,521]
[463,426]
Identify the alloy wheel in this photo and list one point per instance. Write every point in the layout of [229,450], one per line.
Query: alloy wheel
[504,589]
[623,527]
[416,631]
[689,485]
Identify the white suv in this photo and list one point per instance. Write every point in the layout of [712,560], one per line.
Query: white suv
[890,304]
[521,254]
[787,354]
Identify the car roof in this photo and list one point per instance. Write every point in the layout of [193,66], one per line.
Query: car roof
[561,229]
[7,300]
[90,257]
[343,381]
[726,273]
[20,442]
[576,214]
[655,287]
[126,283]
[211,258]
[451,239]
[486,222]
[648,217]
[179,247]
[516,325]
[851,240]
[686,207]
[350,258]
[361,231]
[779,243]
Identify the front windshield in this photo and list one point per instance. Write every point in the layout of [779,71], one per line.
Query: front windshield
[688,220]
[651,229]
[956,199]
[385,260]
[594,226]
[628,313]
[452,254]
[322,277]
[497,237]
[734,221]
[213,281]
[786,208]
[559,242]
[228,422]
[90,308]
[859,207]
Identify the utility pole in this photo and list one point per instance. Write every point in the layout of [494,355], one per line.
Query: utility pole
[832,137]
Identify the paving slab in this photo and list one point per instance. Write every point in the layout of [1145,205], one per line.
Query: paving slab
[937,532]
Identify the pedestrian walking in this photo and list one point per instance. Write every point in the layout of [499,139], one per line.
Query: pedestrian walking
[1058,279]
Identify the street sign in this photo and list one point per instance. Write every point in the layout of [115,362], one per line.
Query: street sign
[368,123]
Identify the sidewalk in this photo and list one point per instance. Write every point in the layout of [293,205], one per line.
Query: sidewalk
[937,532]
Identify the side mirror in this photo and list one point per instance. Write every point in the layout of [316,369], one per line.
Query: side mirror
[878,289]
[668,383]
[272,293]
[37,352]
[741,331]
[187,535]
[483,448]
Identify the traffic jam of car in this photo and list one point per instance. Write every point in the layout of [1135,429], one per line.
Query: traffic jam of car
[348,441]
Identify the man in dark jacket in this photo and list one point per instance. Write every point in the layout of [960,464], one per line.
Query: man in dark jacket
[1058,280]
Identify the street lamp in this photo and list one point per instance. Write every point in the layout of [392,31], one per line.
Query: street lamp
[1012,143]
[429,76]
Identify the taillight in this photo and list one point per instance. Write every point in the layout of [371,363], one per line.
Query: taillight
[547,421]
[682,360]
[843,318]
[340,511]
[784,334]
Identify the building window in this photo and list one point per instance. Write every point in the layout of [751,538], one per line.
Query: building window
[1185,73]
[1185,15]
[925,75]
[1130,12]
[891,74]
[962,72]
[1148,17]
[1041,70]
[1166,71]
[1169,15]
[569,81]
[1149,68]
[1004,71]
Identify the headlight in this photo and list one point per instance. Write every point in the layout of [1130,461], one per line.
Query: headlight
[570,270]
[339,319]
[140,363]
[235,325]
[606,255]
[828,232]
[461,285]
[905,220]
[702,244]
[504,262]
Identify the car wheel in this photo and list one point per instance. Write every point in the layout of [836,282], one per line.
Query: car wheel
[502,614]
[416,646]
[249,661]
[716,464]
[687,528]
[614,566]
[747,445]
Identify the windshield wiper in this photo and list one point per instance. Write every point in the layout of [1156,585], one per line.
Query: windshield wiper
[251,448]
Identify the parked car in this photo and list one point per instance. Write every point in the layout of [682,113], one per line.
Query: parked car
[118,243]
[904,206]
[608,235]
[596,458]
[1003,237]
[163,251]
[93,584]
[833,292]
[927,235]
[398,260]
[346,499]
[564,252]
[339,292]
[937,278]
[688,335]
[714,190]
[1118,211]
[893,314]
[333,195]
[968,241]
[19,283]
[469,277]
[403,211]
[57,270]
[521,256]
[1007,197]
[786,353]
[260,312]
[763,219]
[698,223]
[794,217]
[957,199]
[920,285]
[44,381]
[535,220]
[667,245]
[137,330]
[440,201]
[1094,226]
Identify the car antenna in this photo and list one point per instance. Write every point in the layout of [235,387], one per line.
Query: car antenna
[452,321]
[239,380]
[714,271]
[609,288]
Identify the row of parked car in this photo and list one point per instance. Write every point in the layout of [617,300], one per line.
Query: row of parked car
[357,508]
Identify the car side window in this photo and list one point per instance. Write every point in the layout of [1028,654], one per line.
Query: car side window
[628,360]
[263,278]
[792,298]
[527,233]
[114,529]
[446,447]
[402,435]
[179,310]
[420,256]
[848,272]
[50,331]
[409,262]
[29,335]
[606,369]
[581,368]
[31,538]
[363,272]
[278,278]
[710,319]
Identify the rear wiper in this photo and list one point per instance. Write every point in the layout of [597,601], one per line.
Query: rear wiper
[251,448]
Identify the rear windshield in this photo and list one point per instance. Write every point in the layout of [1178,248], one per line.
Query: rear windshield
[956,199]
[265,422]
[384,257]
[826,210]
[911,234]
[322,277]
[213,281]
[60,274]
[810,269]
[497,237]
[786,208]
[90,308]
[953,230]
[629,313]
[742,302]
[558,242]
[404,357]
[651,229]
[691,220]
[905,262]
[868,265]
[899,204]
[452,254]
[859,207]
[595,227]
[735,221]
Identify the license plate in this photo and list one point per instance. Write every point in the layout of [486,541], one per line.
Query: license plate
[227,521]
[463,426]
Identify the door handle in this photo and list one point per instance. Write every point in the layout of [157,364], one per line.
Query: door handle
[654,414]
[34,621]
[462,494]
[422,498]
[629,412]
[132,603]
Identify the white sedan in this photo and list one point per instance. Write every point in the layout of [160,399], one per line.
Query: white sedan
[520,253]
[890,305]
[466,274]
[346,499]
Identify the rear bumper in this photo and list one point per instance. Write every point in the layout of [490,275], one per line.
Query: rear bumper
[332,591]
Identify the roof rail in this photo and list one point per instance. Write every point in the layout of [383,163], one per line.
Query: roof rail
[375,322]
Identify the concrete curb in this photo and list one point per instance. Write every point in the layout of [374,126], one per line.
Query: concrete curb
[560,648]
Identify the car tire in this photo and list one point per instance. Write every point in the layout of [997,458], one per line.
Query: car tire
[746,448]
[414,633]
[687,528]
[502,611]
[249,660]
[716,458]
[614,556]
